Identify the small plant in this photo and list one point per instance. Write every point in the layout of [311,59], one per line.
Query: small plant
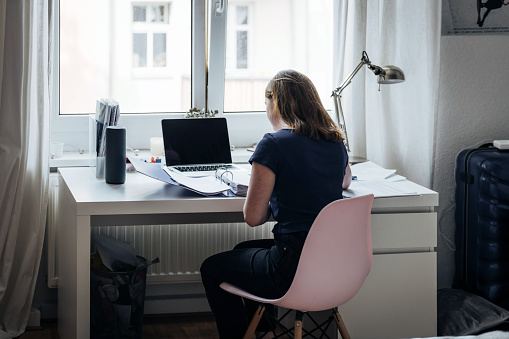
[203,113]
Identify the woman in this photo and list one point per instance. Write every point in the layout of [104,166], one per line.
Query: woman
[296,171]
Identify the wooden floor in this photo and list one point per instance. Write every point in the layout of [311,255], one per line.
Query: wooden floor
[195,326]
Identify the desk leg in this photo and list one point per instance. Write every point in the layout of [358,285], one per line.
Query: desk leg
[74,276]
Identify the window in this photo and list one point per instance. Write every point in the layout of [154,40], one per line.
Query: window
[140,53]
[140,49]
[239,21]
[151,27]
[159,54]
[135,52]
[156,12]
[264,37]
[242,20]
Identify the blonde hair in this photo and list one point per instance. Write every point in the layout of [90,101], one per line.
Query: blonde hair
[298,104]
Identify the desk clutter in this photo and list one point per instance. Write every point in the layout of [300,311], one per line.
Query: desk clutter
[107,114]
[370,178]
[224,182]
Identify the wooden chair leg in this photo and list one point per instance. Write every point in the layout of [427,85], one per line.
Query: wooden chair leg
[254,322]
[298,325]
[341,325]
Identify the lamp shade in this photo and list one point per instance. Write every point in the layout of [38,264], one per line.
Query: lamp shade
[393,75]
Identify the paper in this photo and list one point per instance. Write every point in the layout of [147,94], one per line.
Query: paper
[370,171]
[112,250]
[380,189]
[106,114]
[208,185]
[152,170]
[395,177]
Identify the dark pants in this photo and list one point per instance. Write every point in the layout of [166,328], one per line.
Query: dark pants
[264,268]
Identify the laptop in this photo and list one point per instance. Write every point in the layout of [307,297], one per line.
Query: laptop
[197,147]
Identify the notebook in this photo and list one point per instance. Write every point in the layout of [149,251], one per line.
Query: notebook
[197,147]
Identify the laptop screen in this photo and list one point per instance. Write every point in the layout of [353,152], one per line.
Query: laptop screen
[196,141]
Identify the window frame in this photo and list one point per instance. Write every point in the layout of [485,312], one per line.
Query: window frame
[245,129]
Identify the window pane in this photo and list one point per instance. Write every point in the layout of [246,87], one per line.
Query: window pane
[241,15]
[242,49]
[301,39]
[159,49]
[109,49]
[139,13]
[158,13]
[140,50]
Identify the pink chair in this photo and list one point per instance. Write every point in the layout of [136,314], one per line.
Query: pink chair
[335,261]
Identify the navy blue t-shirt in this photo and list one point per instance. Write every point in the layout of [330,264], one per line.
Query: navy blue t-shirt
[309,175]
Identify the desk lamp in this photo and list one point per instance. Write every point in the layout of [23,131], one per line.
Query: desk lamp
[386,75]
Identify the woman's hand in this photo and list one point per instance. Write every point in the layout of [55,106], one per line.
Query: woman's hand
[261,185]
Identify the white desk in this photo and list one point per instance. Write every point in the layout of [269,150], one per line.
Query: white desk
[397,300]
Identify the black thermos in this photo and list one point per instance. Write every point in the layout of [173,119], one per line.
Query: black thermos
[115,155]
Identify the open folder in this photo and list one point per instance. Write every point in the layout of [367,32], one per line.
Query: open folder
[237,180]
[208,185]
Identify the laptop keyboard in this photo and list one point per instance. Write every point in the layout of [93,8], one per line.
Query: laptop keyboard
[201,168]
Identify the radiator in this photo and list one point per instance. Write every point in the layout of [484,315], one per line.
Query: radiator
[181,248]
[51,231]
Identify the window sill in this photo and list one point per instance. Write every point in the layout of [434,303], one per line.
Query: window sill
[75,159]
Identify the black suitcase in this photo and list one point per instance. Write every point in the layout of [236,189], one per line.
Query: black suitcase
[482,223]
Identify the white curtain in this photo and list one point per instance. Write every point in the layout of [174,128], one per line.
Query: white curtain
[393,127]
[24,154]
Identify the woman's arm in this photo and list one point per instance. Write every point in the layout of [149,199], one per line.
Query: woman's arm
[261,185]
[347,180]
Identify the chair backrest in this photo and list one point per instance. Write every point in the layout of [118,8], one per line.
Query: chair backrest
[336,257]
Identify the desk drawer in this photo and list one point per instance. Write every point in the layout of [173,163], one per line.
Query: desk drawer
[404,230]
[398,299]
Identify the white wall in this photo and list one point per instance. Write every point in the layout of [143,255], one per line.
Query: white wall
[473,106]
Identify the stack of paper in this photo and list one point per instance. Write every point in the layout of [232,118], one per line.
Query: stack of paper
[370,178]
[370,171]
[107,113]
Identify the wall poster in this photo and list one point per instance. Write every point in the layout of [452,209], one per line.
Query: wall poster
[471,17]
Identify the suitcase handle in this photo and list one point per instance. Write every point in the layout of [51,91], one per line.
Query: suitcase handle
[486,145]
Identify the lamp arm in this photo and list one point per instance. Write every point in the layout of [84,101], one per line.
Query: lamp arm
[377,70]
[337,97]
[337,92]
[349,78]
[340,118]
